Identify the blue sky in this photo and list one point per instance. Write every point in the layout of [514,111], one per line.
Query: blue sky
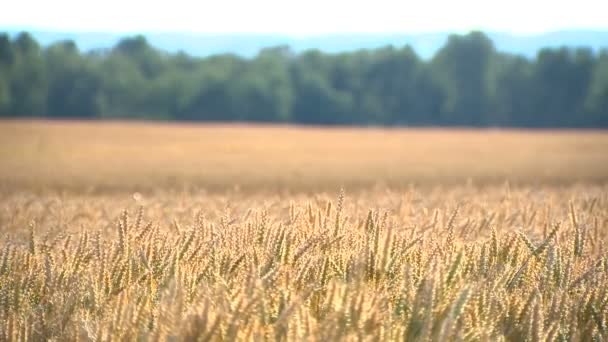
[302,18]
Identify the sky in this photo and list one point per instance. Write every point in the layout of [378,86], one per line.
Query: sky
[304,17]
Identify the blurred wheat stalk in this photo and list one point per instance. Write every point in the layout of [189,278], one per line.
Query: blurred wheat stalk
[515,268]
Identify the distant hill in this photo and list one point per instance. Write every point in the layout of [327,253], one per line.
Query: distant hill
[426,44]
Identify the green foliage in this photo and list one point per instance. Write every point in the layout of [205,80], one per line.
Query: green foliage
[561,81]
[462,68]
[597,98]
[28,81]
[511,91]
[73,84]
[467,83]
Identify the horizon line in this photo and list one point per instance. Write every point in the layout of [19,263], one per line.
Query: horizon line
[294,35]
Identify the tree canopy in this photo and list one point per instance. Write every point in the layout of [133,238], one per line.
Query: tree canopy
[467,83]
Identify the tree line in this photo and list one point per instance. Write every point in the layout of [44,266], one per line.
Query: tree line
[466,83]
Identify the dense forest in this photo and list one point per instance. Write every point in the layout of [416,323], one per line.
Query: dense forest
[466,83]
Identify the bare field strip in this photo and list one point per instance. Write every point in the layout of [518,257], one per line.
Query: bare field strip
[145,156]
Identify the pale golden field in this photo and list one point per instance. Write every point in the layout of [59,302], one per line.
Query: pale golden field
[152,156]
[123,232]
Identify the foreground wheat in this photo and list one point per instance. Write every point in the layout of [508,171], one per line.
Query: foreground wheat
[493,264]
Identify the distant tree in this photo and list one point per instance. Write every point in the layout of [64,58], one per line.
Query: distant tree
[6,51]
[6,61]
[122,86]
[25,44]
[28,83]
[209,93]
[400,86]
[149,61]
[462,69]
[73,86]
[466,83]
[5,97]
[596,102]
[561,81]
[264,88]
[317,101]
[510,92]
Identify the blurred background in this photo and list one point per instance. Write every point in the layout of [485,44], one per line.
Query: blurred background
[302,95]
[470,63]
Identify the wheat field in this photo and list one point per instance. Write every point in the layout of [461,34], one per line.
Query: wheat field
[146,156]
[101,239]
